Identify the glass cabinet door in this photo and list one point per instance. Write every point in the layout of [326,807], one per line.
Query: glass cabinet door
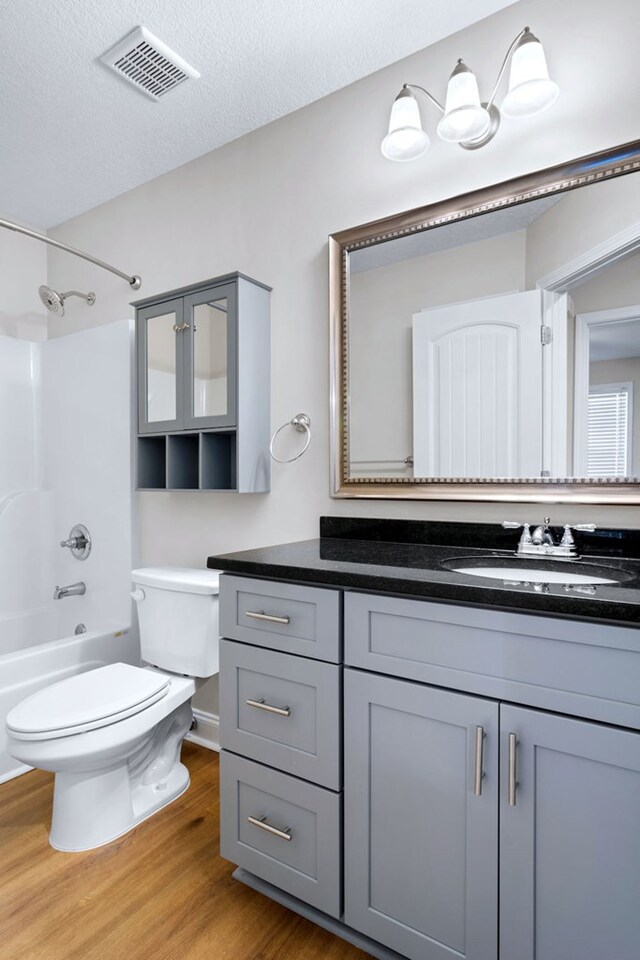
[160,332]
[210,344]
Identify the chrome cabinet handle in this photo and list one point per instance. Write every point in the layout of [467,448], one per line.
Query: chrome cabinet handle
[513,783]
[261,705]
[261,615]
[479,772]
[178,327]
[262,823]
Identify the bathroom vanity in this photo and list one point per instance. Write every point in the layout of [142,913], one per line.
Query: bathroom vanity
[429,763]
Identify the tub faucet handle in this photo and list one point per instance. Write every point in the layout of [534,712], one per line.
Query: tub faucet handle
[78,541]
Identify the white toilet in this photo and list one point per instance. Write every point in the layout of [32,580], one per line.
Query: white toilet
[112,735]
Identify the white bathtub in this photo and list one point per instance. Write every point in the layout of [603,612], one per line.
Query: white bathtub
[25,671]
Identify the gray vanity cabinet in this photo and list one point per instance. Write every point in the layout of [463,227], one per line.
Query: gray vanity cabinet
[203,372]
[570,846]
[421,818]
[473,827]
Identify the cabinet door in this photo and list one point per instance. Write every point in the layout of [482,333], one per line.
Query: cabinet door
[210,368]
[160,342]
[570,846]
[421,846]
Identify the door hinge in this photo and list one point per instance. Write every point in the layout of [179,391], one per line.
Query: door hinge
[545,335]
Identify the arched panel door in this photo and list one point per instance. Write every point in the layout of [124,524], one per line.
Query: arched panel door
[477,388]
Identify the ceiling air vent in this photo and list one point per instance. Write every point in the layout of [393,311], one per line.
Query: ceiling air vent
[148,63]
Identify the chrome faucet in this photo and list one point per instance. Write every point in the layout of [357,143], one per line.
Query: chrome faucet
[72,590]
[542,536]
[542,543]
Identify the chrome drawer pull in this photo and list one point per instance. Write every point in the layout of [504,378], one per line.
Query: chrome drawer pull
[261,705]
[479,772]
[262,823]
[261,615]
[513,783]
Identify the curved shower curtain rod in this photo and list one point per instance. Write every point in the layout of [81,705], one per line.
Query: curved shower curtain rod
[134,281]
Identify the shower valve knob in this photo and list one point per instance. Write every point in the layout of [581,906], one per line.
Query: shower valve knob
[79,542]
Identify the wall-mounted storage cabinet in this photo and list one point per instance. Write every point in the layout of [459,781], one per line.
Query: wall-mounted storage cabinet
[203,367]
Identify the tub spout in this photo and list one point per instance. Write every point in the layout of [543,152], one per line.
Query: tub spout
[73,590]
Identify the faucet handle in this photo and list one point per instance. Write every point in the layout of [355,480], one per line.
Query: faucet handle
[512,525]
[567,537]
[525,539]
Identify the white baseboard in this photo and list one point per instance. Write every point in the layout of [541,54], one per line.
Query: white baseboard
[207,732]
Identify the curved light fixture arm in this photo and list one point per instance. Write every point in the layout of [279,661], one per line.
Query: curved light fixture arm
[134,281]
[415,86]
[505,64]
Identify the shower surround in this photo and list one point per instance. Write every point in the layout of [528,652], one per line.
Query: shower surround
[65,436]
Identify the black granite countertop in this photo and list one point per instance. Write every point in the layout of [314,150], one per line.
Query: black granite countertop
[361,555]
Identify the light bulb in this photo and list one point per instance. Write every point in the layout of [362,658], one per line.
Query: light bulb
[530,89]
[464,117]
[406,140]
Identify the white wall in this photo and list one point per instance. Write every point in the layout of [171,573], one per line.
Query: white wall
[581,221]
[617,286]
[265,205]
[23,267]
[86,394]
[65,436]
[23,502]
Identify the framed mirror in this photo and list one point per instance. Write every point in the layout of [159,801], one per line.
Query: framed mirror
[487,347]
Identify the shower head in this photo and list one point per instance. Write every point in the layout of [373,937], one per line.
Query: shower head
[54,302]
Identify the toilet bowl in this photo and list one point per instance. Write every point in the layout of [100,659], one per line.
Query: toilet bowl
[113,735]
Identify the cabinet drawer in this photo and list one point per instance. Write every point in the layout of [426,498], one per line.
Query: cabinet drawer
[588,669]
[282,616]
[281,710]
[283,830]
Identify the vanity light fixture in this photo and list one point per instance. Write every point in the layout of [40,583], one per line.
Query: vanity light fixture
[465,118]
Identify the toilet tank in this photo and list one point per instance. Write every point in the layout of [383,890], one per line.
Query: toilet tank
[178,617]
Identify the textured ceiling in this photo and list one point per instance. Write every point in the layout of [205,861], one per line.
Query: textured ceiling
[73,135]
[455,234]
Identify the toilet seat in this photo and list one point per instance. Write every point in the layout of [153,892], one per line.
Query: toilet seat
[87,701]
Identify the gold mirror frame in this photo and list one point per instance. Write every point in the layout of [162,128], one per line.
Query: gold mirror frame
[594,168]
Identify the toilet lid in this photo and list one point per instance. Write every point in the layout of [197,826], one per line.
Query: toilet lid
[87,701]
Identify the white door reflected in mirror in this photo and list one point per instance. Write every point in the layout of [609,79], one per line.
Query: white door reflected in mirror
[477,388]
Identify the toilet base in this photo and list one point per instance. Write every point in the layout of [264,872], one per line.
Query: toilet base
[89,812]
[95,806]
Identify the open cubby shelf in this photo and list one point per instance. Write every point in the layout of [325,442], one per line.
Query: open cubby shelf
[187,461]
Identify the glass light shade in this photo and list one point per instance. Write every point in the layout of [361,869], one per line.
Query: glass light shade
[530,89]
[406,140]
[464,117]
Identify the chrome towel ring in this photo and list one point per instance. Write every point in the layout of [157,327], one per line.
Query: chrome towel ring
[301,422]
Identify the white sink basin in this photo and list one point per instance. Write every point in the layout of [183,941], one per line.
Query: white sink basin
[519,573]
